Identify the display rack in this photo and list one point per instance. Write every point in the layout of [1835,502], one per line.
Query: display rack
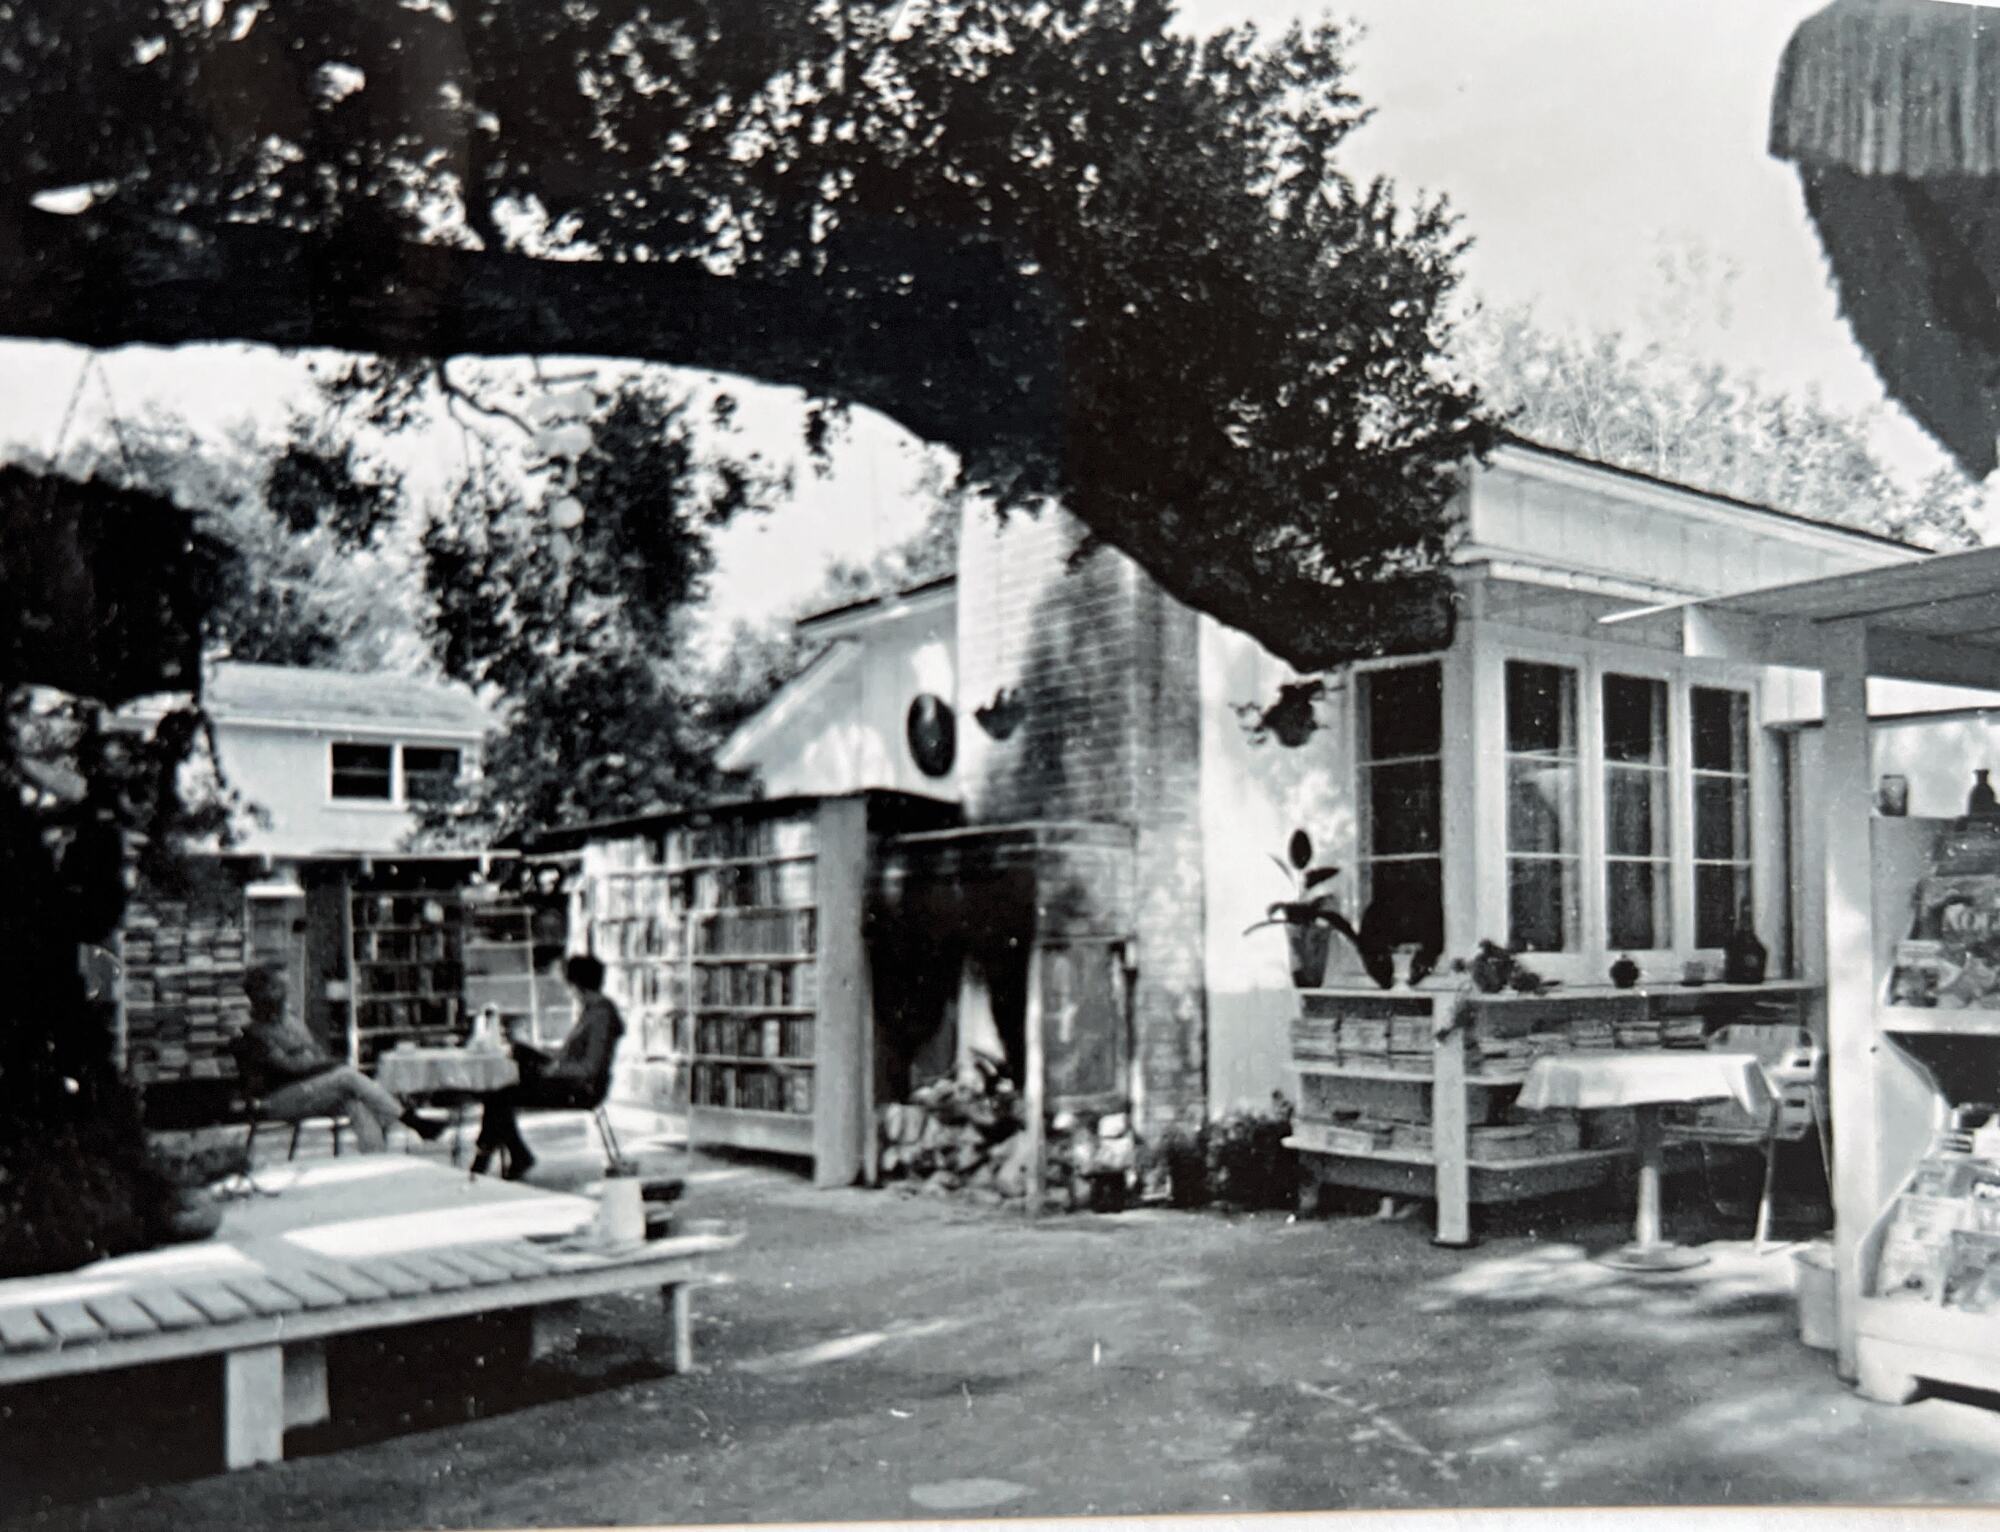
[502,970]
[408,966]
[632,908]
[1928,1259]
[182,991]
[1412,1093]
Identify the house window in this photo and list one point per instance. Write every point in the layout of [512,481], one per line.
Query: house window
[1542,779]
[429,772]
[1719,723]
[364,772]
[1400,751]
[1638,813]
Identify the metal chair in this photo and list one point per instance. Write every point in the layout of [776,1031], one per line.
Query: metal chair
[1792,1063]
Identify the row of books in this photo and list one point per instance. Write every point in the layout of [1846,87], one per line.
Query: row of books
[753,1088]
[407,946]
[755,884]
[626,939]
[433,909]
[724,840]
[767,1037]
[648,985]
[447,978]
[757,984]
[759,931]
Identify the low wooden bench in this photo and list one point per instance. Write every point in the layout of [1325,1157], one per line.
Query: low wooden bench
[268,1296]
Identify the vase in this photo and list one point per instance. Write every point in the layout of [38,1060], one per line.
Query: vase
[1981,803]
[1310,945]
[1624,972]
[1892,796]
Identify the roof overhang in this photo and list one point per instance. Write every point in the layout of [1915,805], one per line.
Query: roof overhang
[740,749]
[1937,621]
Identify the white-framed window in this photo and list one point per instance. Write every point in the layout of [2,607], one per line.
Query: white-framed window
[1544,848]
[361,772]
[1637,734]
[1719,726]
[1399,764]
[390,775]
[1624,782]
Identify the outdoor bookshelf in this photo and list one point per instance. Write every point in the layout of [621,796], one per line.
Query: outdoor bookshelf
[733,943]
[1411,1093]
[408,965]
[502,970]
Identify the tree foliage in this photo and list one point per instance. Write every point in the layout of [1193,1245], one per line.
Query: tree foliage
[1105,262]
[565,597]
[1661,409]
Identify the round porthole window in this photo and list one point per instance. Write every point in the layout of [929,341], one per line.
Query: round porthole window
[933,735]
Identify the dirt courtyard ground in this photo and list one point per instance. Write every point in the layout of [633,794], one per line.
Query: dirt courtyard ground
[875,1356]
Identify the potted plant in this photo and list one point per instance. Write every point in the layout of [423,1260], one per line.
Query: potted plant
[1310,916]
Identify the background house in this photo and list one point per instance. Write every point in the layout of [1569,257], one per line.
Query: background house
[1574,788]
[335,760]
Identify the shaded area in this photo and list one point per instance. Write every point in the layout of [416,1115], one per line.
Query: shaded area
[870,1347]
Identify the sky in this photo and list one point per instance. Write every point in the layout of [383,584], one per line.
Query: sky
[1577,140]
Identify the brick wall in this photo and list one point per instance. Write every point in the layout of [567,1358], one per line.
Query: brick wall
[1106,668]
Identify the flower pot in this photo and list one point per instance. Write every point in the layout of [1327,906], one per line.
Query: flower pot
[1310,945]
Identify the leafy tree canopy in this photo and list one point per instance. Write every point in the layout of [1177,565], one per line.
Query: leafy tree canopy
[1661,404]
[1104,262]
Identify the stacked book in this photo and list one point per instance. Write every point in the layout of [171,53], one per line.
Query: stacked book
[1592,1033]
[1637,1034]
[1683,1032]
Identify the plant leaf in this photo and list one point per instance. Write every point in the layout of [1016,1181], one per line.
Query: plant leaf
[1319,875]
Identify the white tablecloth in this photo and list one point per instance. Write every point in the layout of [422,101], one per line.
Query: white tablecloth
[426,1071]
[1645,1077]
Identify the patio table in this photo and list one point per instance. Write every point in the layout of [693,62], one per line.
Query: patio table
[1646,1080]
[451,1076]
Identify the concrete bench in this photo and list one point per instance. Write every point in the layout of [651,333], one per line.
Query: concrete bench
[347,1247]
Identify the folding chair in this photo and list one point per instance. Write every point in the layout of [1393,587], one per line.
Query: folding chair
[1792,1065]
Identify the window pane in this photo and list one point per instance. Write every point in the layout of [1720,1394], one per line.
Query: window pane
[1541,709]
[1541,903]
[1719,892]
[362,771]
[1721,721]
[1722,819]
[1637,895]
[1635,720]
[429,772]
[1541,806]
[1402,712]
[1635,811]
[1412,893]
[1403,808]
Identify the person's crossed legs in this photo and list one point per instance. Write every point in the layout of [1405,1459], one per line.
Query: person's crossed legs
[345,1091]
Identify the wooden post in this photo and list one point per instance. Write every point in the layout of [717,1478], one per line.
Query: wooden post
[1450,1143]
[306,1399]
[347,961]
[253,1406]
[1036,1085]
[680,1319]
[1850,968]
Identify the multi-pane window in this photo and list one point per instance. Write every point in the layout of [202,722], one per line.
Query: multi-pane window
[1401,747]
[364,772]
[1638,813]
[1542,780]
[429,772]
[1719,726]
[368,773]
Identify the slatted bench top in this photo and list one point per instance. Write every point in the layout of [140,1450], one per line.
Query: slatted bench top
[347,1245]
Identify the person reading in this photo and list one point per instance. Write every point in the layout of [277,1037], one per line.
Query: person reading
[293,1078]
[576,1078]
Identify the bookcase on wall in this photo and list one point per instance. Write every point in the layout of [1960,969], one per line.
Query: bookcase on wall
[408,950]
[734,943]
[629,909]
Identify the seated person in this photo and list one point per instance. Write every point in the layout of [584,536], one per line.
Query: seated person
[293,1078]
[576,1078]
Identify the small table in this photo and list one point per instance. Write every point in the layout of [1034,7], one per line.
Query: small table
[454,1076]
[1646,1080]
